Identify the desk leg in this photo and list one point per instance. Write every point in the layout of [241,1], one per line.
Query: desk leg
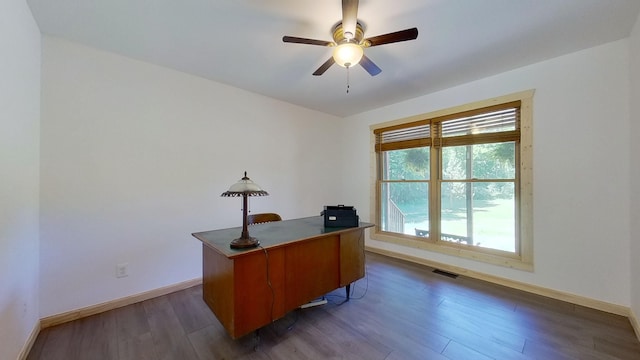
[348,289]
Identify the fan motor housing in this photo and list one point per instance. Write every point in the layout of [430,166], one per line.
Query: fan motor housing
[338,34]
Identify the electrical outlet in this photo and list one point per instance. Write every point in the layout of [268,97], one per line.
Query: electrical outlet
[122,270]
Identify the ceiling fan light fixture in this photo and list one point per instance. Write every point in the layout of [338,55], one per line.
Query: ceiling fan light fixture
[348,54]
[349,41]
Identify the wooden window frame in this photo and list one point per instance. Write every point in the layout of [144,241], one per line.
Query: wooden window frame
[523,256]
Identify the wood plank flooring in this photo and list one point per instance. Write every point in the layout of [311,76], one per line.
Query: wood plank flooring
[399,311]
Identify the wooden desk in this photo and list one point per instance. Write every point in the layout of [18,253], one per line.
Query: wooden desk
[298,261]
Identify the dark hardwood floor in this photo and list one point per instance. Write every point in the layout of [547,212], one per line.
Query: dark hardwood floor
[399,311]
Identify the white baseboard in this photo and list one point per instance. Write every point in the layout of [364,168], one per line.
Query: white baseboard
[554,294]
[114,304]
[30,341]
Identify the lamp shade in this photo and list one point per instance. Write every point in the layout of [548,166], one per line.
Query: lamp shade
[348,54]
[245,187]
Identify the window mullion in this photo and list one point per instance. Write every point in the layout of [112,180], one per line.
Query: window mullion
[518,199]
[435,188]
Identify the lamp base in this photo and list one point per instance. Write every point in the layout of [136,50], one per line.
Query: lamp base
[244,243]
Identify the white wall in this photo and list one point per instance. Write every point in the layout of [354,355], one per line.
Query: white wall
[635,169]
[134,159]
[581,169]
[19,169]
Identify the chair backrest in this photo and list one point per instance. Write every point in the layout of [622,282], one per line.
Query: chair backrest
[262,218]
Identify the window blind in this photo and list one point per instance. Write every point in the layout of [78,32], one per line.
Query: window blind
[498,123]
[405,136]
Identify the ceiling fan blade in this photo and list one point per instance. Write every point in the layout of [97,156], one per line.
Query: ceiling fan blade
[368,65]
[402,35]
[299,40]
[327,64]
[349,17]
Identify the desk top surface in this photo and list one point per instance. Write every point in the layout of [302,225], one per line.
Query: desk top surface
[271,234]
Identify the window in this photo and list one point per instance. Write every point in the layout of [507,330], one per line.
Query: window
[458,181]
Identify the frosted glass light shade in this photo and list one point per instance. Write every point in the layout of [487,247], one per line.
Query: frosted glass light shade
[245,186]
[348,54]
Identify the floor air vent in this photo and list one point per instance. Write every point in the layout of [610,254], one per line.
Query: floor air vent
[445,273]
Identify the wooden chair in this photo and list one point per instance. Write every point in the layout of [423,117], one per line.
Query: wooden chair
[262,218]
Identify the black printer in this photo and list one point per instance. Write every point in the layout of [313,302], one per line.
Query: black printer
[340,216]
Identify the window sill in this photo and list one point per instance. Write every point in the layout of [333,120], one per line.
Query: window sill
[483,255]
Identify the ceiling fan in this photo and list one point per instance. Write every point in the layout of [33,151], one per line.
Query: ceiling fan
[349,41]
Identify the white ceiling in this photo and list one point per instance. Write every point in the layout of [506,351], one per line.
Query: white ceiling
[239,42]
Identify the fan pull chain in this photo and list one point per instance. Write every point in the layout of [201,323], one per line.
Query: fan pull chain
[348,79]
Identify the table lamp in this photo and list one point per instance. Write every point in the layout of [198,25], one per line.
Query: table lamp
[244,187]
